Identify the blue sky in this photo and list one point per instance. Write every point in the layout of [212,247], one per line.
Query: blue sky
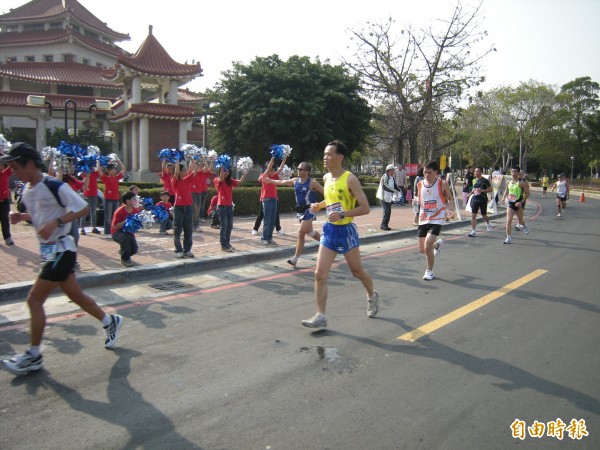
[551,41]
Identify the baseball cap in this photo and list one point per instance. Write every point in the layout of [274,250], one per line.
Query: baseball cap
[20,150]
[390,167]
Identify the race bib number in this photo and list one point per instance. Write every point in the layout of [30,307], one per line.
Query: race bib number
[477,191]
[430,206]
[48,251]
[512,198]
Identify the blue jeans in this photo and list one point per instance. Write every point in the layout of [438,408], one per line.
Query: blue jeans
[270,211]
[166,225]
[93,204]
[226,219]
[182,221]
[110,206]
[198,199]
[387,212]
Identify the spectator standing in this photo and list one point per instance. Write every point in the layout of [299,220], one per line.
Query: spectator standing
[5,173]
[183,211]
[90,195]
[385,192]
[400,178]
[166,176]
[224,185]
[111,191]
[268,198]
[199,186]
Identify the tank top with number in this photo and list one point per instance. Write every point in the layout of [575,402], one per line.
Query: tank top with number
[515,192]
[338,197]
[433,203]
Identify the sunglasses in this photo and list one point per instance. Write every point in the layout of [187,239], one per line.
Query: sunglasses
[301,169]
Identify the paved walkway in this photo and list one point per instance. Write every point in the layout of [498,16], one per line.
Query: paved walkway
[99,255]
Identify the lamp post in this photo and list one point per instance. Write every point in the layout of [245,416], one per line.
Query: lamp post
[521,121]
[572,161]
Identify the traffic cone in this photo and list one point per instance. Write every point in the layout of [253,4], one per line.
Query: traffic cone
[582,197]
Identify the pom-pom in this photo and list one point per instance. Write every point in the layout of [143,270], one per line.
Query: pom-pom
[146,219]
[4,144]
[104,161]
[245,164]
[86,164]
[160,213]
[223,161]
[49,152]
[286,173]
[93,150]
[113,157]
[211,155]
[190,151]
[133,222]
[171,155]
[279,151]
[147,203]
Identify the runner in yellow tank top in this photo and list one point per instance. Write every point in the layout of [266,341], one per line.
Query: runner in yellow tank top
[342,193]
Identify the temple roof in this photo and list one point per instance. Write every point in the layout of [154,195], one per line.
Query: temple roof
[189,97]
[155,111]
[55,10]
[73,74]
[13,98]
[152,60]
[51,37]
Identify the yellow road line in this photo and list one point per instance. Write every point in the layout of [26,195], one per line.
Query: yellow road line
[467,309]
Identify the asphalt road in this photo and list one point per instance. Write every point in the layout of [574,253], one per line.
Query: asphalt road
[220,360]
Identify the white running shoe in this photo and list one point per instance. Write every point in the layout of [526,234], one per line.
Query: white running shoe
[112,331]
[526,229]
[254,232]
[428,275]
[436,251]
[508,240]
[316,321]
[558,215]
[373,305]
[473,233]
[23,363]
[489,227]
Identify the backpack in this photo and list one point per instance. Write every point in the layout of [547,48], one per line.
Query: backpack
[53,186]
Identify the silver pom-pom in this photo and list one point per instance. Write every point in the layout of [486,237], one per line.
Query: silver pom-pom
[93,150]
[146,218]
[286,173]
[49,152]
[287,150]
[113,157]
[211,155]
[245,164]
[4,144]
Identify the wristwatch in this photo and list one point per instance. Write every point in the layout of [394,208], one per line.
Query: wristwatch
[342,215]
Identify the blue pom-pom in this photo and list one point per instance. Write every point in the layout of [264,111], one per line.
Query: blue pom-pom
[132,223]
[103,160]
[160,213]
[277,151]
[86,164]
[223,161]
[147,203]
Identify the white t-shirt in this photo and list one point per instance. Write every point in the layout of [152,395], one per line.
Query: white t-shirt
[43,208]
[561,188]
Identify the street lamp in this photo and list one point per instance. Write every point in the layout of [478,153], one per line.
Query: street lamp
[521,121]
[572,161]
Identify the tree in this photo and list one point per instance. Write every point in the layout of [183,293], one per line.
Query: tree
[297,102]
[426,72]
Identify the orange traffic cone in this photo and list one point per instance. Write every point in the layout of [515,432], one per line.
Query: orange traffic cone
[582,197]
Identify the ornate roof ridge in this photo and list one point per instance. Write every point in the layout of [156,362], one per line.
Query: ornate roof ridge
[44,10]
[67,73]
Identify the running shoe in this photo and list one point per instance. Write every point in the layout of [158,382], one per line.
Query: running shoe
[23,363]
[112,331]
[373,305]
[558,215]
[316,321]
[227,249]
[526,229]
[95,231]
[254,232]
[473,233]
[489,227]
[280,232]
[126,262]
[508,240]
[292,261]
[188,254]
[436,251]
[178,255]
[428,275]
[517,228]
[83,232]
[9,241]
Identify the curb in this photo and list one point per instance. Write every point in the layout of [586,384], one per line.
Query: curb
[14,291]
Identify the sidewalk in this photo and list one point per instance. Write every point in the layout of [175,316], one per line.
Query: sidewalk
[100,262]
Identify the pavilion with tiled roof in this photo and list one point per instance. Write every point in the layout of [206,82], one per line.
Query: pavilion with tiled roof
[58,50]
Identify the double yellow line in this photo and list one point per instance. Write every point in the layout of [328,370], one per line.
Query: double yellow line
[467,309]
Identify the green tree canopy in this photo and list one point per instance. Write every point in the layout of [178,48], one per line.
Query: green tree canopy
[297,102]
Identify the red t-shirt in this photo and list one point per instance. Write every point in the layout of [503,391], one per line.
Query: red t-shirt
[199,182]
[120,215]
[111,184]
[225,191]
[92,189]
[213,204]
[75,184]
[268,190]
[167,182]
[183,190]
[4,178]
